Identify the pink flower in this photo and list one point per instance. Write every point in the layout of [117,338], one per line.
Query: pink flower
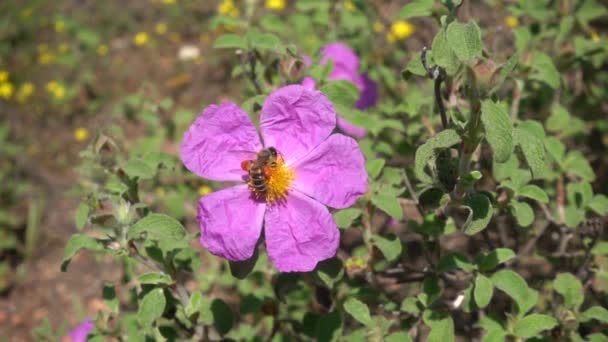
[314,169]
[80,333]
[346,67]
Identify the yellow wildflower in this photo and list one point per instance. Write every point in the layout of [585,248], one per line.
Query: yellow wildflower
[161,28]
[275,5]
[81,134]
[140,39]
[3,75]
[6,90]
[511,21]
[401,29]
[59,26]
[204,190]
[349,6]
[169,2]
[56,89]
[25,91]
[355,264]
[46,58]
[595,37]
[378,27]
[102,50]
[227,7]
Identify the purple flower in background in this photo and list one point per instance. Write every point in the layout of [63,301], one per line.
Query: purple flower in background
[346,67]
[313,169]
[80,332]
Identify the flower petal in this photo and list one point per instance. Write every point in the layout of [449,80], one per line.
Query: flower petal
[333,173]
[299,233]
[295,120]
[351,129]
[342,55]
[218,141]
[231,222]
[80,333]
[369,93]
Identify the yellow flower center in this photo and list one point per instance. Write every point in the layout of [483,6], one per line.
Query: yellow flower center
[278,180]
[276,5]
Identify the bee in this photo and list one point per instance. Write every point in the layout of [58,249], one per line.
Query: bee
[261,168]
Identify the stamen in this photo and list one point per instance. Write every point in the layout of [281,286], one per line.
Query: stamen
[278,182]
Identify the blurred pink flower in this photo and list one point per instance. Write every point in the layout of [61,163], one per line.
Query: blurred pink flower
[315,169]
[80,332]
[346,67]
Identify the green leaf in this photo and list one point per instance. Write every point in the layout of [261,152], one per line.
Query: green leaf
[570,288]
[534,192]
[544,69]
[167,231]
[515,287]
[155,278]
[499,130]
[425,152]
[329,326]
[136,167]
[533,151]
[465,40]
[345,218]
[330,272]
[556,149]
[576,164]
[194,304]
[410,305]
[75,244]
[109,298]
[358,310]
[265,41]
[401,336]
[82,215]
[223,318]
[417,8]
[151,307]
[341,93]
[374,167]
[442,326]
[480,215]
[230,41]
[523,213]
[443,55]
[496,257]
[595,312]
[454,260]
[390,246]
[483,291]
[533,325]
[599,204]
[389,204]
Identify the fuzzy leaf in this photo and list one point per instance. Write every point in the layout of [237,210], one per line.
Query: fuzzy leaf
[223,318]
[136,167]
[599,204]
[532,149]
[499,130]
[358,310]
[545,70]
[389,204]
[442,326]
[523,213]
[533,325]
[416,8]
[82,215]
[167,231]
[483,291]
[425,152]
[344,218]
[465,40]
[595,312]
[570,288]
[230,41]
[516,287]
[151,307]
[155,278]
[75,244]
[390,246]
[481,213]
[496,257]
[534,192]
[374,167]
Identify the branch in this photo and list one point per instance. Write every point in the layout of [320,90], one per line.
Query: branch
[437,74]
